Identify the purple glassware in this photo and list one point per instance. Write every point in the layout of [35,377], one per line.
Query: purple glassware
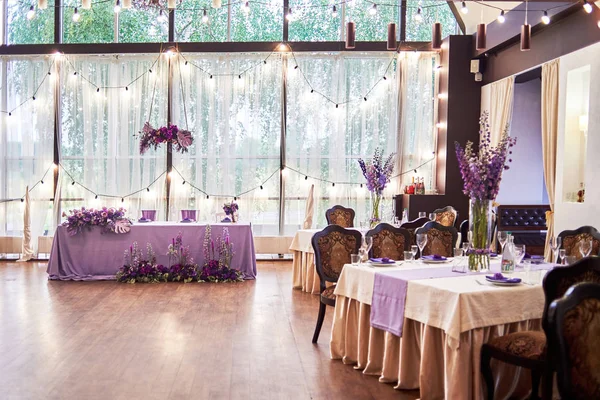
[149,215]
[188,215]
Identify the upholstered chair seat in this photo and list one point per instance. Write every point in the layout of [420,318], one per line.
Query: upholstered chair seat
[527,344]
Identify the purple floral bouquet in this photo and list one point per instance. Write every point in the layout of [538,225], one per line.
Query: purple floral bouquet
[109,219]
[137,268]
[231,210]
[183,268]
[152,138]
[482,172]
[377,172]
[217,265]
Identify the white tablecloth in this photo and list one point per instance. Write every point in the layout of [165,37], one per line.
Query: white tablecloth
[446,322]
[304,274]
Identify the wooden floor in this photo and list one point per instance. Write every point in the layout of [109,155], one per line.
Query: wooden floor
[105,340]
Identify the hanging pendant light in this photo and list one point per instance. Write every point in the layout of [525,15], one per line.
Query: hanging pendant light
[481,37]
[350,35]
[86,4]
[42,4]
[436,36]
[216,3]
[526,32]
[126,4]
[392,43]
[171,4]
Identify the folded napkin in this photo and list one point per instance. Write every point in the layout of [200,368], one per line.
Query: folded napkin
[532,257]
[144,220]
[436,257]
[383,260]
[497,277]
[226,219]
[493,255]
[187,220]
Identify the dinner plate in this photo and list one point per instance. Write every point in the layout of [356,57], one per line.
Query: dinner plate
[431,261]
[502,283]
[380,264]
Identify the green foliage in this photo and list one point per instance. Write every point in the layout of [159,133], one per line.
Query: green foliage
[39,30]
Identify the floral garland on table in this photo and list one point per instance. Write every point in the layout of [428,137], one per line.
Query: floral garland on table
[377,172]
[110,219]
[181,139]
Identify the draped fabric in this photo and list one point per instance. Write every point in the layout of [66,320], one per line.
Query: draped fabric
[501,103]
[97,146]
[27,252]
[310,209]
[26,144]
[549,138]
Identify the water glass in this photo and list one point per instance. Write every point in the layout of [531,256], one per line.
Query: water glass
[585,247]
[519,250]
[355,259]
[527,267]
[458,253]
[432,216]
[422,214]
[408,255]
[570,260]
[502,238]
[414,249]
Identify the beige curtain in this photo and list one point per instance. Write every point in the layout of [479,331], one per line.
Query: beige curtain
[549,135]
[501,102]
[310,209]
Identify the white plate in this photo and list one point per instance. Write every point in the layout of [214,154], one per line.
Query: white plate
[426,261]
[376,264]
[497,283]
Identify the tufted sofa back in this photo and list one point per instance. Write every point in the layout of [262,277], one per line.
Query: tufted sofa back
[522,217]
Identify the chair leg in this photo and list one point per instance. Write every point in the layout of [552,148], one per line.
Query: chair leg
[322,308]
[536,376]
[486,371]
[547,384]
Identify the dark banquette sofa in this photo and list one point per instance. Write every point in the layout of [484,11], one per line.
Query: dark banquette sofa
[527,223]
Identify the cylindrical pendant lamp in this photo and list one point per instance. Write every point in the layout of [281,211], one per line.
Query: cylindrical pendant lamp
[126,4]
[481,31]
[350,35]
[171,4]
[216,3]
[436,36]
[42,4]
[392,43]
[86,4]
[525,37]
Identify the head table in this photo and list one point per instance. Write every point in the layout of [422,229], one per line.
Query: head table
[446,320]
[93,255]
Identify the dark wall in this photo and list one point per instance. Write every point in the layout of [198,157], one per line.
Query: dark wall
[460,113]
[575,31]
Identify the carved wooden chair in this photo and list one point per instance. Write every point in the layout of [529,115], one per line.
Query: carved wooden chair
[527,349]
[446,216]
[571,240]
[333,247]
[389,241]
[441,240]
[410,226]
[340,215]
[573,331]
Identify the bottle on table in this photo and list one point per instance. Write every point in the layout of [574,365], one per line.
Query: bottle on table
[508,256]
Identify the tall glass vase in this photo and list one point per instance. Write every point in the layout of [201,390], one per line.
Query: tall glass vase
[375,203]
[480,229]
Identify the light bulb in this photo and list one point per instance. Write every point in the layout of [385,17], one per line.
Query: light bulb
[31,13]
[501,17]
[162,17]
[419,15]
[204,16]
[117,6]
[587,7]
[334,12]
[545,18]
[463,8]
[289,16]
[246,7]
[283,47]
[76,15]
[373,9]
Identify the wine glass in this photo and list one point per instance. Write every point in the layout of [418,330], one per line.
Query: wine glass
[422,214]
[466,246]
[585,247]
[362,253]
[414,249]
[555,246]
[396,221]
[432,216]
[502,238]
[519,253]
[367,243]
[562,253]
[421,242]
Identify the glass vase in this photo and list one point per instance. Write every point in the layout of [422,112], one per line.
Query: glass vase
[480,231]
[375,203]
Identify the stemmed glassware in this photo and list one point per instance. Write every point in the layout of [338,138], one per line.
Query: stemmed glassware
[502,238]
[367,243]
[562,254]
[585,247]
[414,249]
[519,253]
[421,242]
[432,216]
[555,246]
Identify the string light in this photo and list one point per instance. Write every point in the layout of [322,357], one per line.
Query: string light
[289,16]
[117,7]
[31,13]
[419,15]
[545,18]
[246,7]
[501,17]
[204,16]
[373,9]
[76,15]
[33,98]
[162,17]
[587,7]
[463,8]
[96,197]
[334,12]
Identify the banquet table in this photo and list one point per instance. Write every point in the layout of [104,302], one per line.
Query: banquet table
[93,255]
[446,320]
[304,273]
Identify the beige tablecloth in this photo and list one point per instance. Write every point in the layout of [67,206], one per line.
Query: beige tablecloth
[447,321]
[305,276]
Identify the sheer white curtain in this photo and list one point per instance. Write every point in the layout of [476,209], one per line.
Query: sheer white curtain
[97,146]
[236,124]
[418,113]
[26,143]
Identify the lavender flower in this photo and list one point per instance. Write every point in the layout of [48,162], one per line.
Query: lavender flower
[377,172]
[181,139]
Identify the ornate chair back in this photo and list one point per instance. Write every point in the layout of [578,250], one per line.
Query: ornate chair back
[573,331]
[389,241]
[446,216]
[340,215]
[441,240]
[410,226]
[333,247]
[571,240]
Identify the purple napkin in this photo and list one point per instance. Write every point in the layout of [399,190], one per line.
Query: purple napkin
[493,255]
[435,257]
[497,277]
[383,260]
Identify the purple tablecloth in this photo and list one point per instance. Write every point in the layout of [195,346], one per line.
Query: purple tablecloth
[92,255]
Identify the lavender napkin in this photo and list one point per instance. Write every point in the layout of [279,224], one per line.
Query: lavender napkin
[435,257]
[383,260]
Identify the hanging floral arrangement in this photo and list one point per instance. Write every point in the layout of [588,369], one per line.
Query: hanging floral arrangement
[181,139]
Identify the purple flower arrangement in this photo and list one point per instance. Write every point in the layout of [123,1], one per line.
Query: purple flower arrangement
[152,138]
[109,219]
[231,210]
[182,267]
[377,172]
[137,268]
[218,255]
